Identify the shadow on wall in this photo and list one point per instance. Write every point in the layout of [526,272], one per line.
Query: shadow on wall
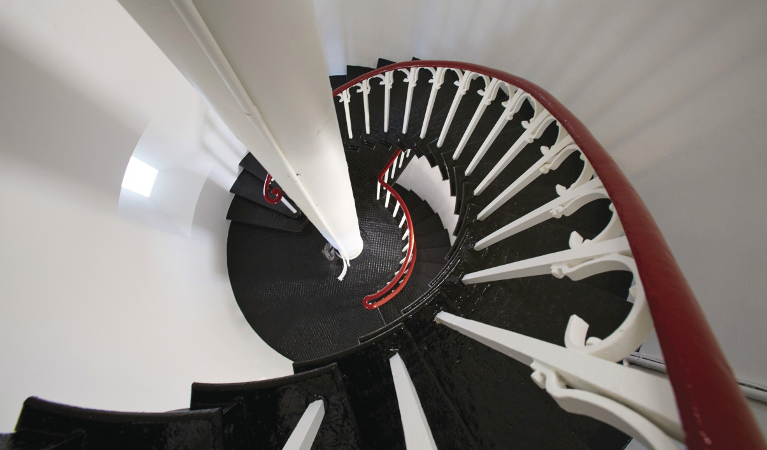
[55,126]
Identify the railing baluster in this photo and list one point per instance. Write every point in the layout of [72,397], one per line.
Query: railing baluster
[532,133]
[396,209]
[512,107]
[567,203]
[388,194]
[364,88]
[463,83]
[412,78]
[488,95]
[387,79]
[438,77]
[402,222]
[345,99]
[551,160]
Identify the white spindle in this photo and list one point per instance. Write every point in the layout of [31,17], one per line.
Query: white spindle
[401,159]
[388,194]
[512,107]
[412,78]
[463,83]
[345,98]
[305,432]
[437,78]
[488,95]
[364,88]
[566,204]
[396,209]
[378,191]
[407,233]
[387,79]
[402,222]
[414,424]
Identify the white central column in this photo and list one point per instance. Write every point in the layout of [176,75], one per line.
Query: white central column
[260,65]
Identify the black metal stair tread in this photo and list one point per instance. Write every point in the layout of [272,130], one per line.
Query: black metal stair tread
[429,269]
[353,72]
[369,384]
[417,285]
[447,426]
[251,188]
[383,63]
[432,240]
[429,225]
[36,440]
[244,211]
[493,390]
[124,430]
[271,409]
[401,191]
[434,255]
[421,212]
[251,164]
[412,200]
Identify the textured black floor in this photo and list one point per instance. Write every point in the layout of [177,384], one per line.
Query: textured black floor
[119,430]
[265,413]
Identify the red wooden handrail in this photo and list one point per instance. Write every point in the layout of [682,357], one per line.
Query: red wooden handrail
[409,263]
[713,411]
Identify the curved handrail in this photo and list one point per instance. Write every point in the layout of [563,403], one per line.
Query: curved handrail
[407,266]
[713,411]
[274,195]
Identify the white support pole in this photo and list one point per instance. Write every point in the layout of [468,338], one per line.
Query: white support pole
[276,102]
[345,98]
[417,431]
[303,435]
[387,79]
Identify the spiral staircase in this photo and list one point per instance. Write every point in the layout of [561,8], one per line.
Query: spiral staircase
[501,332]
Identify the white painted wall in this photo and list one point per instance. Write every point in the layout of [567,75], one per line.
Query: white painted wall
[96,310]
[675,90]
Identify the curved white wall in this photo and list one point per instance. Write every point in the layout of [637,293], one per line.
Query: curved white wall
[96,310]
[675,91]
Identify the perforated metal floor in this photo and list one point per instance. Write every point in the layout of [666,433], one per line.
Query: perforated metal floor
[287,289]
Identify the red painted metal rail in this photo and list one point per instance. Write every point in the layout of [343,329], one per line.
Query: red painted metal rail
[407,267]
[713,411]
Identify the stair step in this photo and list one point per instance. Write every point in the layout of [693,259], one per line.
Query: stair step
[124,430]
[447,427]
[432,240]
[271,409]
[370,387]
[35,440]
[353,72]
[336,81]
[429,225]
[383,63]
[434,255]
[245,211]
[495,391]
[251,164]
[251,187]
[430,269]
[421,212]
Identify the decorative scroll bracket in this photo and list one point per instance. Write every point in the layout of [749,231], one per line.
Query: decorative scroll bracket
[273,195]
